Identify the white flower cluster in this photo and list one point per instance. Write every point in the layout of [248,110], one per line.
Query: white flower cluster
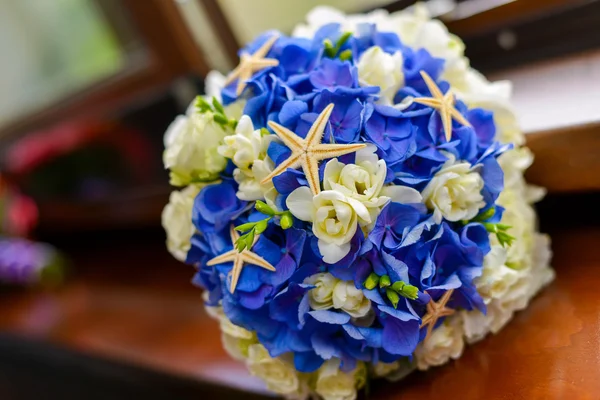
[279,373]
[192,155]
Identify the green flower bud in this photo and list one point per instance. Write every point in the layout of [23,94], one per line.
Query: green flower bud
[262,207]
[372,281]
[384,281]
[393,297]
[286,221]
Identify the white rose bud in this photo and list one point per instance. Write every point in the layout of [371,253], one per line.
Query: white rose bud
[321,297]
[454,193]
[333,384]
[177,221]
[350,299]
[378,68]
[280,376]
[191,149]
[444,343]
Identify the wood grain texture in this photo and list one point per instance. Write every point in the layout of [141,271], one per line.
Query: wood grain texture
[133,304]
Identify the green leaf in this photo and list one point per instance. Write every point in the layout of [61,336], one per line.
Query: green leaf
[245,227]
[286,221]
[372,281]
[250,239]
[240,244]
[261,226]
[202,104]
[330,51]
[342,40]
[393,296]
[264,208]
[384,281]
[218,107]
[220,119]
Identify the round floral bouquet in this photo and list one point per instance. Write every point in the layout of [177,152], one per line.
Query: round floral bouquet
[354,202]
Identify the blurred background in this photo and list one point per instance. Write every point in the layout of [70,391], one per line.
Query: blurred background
[87,89]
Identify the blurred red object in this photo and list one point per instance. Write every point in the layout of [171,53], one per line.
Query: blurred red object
[19,212]
[40,147]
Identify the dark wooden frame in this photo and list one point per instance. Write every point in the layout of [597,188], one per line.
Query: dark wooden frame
[171,52]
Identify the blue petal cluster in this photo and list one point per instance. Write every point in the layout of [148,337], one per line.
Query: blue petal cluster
[405,243]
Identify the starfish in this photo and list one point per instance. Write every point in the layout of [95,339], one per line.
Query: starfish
[238,259]
[251,63]
[444,103]
[307,152]
[436,311]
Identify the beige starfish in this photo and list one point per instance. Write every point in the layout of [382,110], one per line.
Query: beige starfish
[436,311]
[307,152]
[444,103]
[238,259]
[251,63]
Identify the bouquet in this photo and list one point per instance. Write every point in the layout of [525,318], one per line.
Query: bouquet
[353,200]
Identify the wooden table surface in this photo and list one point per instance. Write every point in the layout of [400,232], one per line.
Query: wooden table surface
[135,305]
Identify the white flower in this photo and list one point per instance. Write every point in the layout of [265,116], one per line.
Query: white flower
[454,193]
[351,300]
[177,221]
[191,148]
[334,219]
[321,297]
[333,384]
[521,218]
[247,148]
[378,68]
[214,83]
[496,278]
[330,292]
[444,343]
[280,376]
[364,180]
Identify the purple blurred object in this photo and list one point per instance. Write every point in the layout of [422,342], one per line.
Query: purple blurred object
[23,262]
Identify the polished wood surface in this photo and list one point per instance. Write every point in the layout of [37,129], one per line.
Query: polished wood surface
[133,304]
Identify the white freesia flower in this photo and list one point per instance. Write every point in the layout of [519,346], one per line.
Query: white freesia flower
[378,68]
[330,292]
[364,182]
[445,343]
[496,278]
[454,193]
[177,221]
[191,143]
[247,148]
[506,290]
[280,376]
[321,297]
[351,300]
[334,384]
[334,218]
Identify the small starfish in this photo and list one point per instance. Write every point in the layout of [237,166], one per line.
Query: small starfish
[307,152]
[436,311]
[251,63]
[444,103]
[238,259]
